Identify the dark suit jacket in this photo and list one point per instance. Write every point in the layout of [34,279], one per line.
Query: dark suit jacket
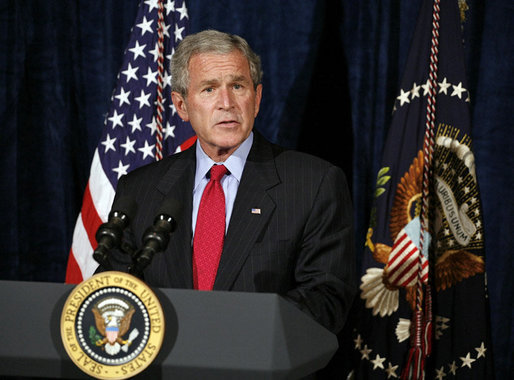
[299,246]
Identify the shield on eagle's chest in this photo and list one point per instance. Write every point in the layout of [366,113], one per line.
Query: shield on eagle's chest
[111,333]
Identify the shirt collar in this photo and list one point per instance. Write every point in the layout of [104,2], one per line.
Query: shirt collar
[234,163]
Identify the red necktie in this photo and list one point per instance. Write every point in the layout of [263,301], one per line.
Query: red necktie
[209,231]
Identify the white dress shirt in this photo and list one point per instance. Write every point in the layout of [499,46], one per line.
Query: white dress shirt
[230,182]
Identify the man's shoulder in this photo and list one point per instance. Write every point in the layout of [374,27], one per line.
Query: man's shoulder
[299,157]
[294,166]
[155,170]
[295,160]
[292,157]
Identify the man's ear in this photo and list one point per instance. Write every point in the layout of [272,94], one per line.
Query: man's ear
[258,97]
[180,105]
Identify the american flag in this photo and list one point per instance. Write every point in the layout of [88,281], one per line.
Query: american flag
[142,125]
[402,266]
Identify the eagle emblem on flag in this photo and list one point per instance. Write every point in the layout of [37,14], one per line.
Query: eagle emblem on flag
[457,228]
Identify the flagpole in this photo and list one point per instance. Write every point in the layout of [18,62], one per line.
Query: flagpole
[160,80]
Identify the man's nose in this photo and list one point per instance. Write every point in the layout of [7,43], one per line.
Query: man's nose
[225,98]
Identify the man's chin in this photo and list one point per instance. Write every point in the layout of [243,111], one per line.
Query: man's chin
[227,138]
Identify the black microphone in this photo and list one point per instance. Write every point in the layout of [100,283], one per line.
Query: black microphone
[156,237]
[109,234]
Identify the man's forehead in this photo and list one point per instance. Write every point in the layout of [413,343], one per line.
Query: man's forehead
[232,64]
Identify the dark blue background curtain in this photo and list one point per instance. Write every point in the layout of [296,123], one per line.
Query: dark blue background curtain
[332,70]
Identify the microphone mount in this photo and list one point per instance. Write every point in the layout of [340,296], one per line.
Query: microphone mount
[156,237]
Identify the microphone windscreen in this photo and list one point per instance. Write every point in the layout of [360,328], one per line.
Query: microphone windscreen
[171,207]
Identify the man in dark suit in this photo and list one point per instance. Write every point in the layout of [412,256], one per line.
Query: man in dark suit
[287,220]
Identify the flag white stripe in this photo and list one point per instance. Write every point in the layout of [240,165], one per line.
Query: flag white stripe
[408,267]
[407,247]
[406,261]
[102,192]
[102,196]
[82,250]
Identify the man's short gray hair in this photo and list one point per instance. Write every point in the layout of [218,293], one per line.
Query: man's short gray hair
[209,41]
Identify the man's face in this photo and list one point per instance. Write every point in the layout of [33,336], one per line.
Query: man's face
[221,102]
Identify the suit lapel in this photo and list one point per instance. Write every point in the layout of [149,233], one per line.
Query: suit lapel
[178,183]
[252,209]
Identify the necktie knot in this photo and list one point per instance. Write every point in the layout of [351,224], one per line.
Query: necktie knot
[217,172]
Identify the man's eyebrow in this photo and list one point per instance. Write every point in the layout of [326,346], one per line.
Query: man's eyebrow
[209,82]
[239,78]
[233,79]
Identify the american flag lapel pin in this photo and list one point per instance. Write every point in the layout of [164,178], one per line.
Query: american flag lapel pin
[256,211]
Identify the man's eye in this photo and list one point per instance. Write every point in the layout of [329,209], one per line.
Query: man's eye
[209,89]
[238,86]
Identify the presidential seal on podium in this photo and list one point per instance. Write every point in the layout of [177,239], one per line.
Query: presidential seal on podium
[112,325]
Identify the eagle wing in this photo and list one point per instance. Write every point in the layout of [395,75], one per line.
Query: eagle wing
[125,321]
[456,265]
[99,321]
[381,253]
[406,200]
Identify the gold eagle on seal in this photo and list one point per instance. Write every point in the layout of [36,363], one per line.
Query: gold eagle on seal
[112,319]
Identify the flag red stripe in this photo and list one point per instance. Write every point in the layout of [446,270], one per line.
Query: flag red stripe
[73,273]
[410,280]
[397,265]
[401,272]
[90,217]
[188,143]
[397,243]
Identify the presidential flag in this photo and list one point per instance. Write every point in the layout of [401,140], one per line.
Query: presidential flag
[423,299]
[142,125]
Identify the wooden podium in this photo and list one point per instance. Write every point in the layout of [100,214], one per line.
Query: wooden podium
[209,335]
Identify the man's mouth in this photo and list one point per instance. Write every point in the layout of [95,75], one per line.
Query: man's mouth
[229,122]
